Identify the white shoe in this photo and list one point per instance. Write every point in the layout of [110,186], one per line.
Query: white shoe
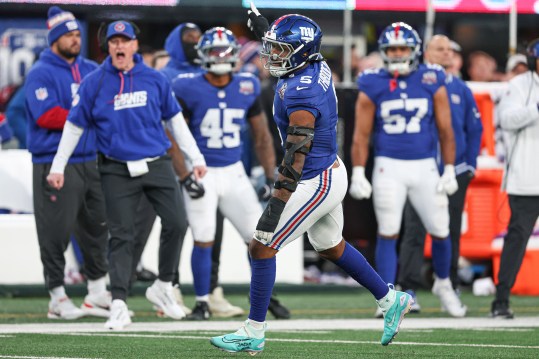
[64,309]
[164,299]
[449,299]
[378,313]
[179,299]
[119,316]
[222,308]
[97,305]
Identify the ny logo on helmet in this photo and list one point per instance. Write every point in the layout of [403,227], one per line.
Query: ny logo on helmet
[307,33]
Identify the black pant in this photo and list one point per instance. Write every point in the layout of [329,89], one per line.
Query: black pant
[524,213]
[79,209]
[413,239]
[122,195]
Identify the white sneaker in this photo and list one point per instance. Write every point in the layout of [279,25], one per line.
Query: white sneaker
[64,309]
[97,305]
[179,299]
[164,299]
[449,299]
[222,308]
[119,316]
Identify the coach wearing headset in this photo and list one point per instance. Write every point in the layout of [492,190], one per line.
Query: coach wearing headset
[519,118]
[125,101]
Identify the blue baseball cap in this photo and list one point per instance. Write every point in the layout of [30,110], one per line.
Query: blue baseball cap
[121,28]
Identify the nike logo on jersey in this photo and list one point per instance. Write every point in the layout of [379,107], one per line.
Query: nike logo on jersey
[301,88]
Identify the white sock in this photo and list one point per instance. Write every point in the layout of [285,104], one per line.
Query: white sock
[97,286]
[202,298]
[386,302]
[255,329]
[57,293]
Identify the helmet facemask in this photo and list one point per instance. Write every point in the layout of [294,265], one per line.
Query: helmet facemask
[402,65]
[276,57]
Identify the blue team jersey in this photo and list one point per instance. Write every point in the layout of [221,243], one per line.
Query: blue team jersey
[310,89]
[217,115]
[405,126]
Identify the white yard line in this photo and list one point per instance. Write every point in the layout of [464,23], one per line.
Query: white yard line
[278,325]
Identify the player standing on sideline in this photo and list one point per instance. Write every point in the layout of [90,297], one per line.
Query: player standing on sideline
[468,129]
[78,208]
[125,101]
[312,181]
[217,105]
[403,104]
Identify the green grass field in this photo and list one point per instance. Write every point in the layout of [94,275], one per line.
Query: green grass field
[420,336]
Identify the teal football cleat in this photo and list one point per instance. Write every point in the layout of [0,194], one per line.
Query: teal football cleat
[394,306]
[241,341]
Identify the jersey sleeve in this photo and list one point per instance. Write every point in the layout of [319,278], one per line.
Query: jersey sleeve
[41,95]
[169,105]
[306,100]
[83,101]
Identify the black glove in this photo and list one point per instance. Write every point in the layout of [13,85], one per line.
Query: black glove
[193,188]
[257,23]
[271,215]
[264,193]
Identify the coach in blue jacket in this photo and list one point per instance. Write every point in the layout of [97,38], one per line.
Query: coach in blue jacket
[125,101]
[79,208]
[468,129]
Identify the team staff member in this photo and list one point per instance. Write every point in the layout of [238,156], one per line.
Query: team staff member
[519,118]
[468,129]
[125,101]
[79,207]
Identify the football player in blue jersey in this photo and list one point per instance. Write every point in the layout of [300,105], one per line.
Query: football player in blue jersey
[403,105]
[217,104]
[467,128]
[312,181]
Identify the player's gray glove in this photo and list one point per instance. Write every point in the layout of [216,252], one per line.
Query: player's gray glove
[360,188]
[448,182]
[269,220]
[257,23]
[193,188]
[264,193]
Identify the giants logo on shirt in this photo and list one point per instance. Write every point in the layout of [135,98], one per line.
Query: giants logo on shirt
[130,100]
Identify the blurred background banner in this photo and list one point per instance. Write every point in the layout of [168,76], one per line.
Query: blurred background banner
[101,2]
[475,6]
[21,41]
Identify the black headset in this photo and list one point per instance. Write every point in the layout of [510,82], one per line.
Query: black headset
[102,35]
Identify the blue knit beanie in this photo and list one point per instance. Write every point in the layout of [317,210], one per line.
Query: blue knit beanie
[60,22]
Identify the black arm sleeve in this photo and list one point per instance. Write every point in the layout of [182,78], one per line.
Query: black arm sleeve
[255,109]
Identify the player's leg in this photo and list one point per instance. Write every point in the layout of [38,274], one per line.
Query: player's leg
[55,215]
[201,213]
[432,208]
[302,210]
[411,253]
[92,234]
[389,196]
[456,206]
[163,192]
